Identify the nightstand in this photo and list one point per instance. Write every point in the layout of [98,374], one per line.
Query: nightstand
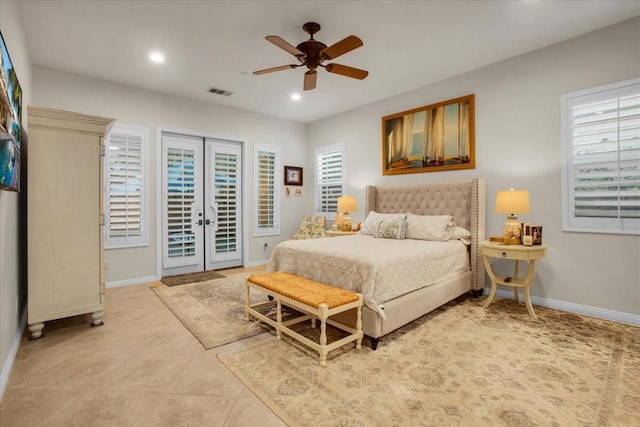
[517,253]
[335,233]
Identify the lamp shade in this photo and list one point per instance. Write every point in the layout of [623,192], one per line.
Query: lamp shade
[512,202]
[347,204]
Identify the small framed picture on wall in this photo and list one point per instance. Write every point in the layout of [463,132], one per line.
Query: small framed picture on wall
[292,175]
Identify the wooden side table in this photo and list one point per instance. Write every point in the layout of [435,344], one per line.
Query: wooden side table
[336,233]
[517,253]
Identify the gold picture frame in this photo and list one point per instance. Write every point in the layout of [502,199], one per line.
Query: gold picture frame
[436,137]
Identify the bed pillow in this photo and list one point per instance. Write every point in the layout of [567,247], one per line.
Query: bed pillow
[429,227]
[459,233]
[370,224]
[392,229]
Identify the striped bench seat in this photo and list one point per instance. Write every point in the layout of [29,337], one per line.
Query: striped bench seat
[316,300]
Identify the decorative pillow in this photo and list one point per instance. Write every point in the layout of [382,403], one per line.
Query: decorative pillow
[429,227]
[312,227]
[392,229]
[459,233]
[370,224]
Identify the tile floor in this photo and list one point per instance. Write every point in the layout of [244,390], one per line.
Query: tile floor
[142,368]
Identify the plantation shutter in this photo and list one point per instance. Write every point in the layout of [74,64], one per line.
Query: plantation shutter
[124,220]
[603,167]
[267,195]
[227,202]
[329,179]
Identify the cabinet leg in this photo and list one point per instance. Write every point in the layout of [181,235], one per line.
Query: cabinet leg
[96,318]
[36,331]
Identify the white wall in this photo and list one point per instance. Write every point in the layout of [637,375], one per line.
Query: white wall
[10,261]
[518,145]
[55,89]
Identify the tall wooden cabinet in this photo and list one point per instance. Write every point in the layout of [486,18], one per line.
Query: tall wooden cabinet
[65,218]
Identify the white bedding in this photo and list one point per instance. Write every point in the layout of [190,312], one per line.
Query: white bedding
[381,269]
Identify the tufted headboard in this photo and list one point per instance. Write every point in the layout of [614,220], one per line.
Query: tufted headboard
[465,200]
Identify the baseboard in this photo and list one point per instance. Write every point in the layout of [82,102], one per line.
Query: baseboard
[600,313]
[257,263]
[11,357]
[129,282]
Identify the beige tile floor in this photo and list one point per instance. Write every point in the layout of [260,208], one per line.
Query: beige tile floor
[142,368]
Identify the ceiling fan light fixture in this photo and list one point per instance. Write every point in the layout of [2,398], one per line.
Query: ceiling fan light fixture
[312,53]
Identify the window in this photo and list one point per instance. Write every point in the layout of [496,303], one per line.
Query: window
[267,195]
[601,159]
[329,179]
[125,156]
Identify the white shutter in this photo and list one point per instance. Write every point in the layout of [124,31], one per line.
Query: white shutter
[124,210]
[329,179]
[601,148]
[227,201]
[266,191]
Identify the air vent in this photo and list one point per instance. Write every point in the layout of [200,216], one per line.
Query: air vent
[220,91]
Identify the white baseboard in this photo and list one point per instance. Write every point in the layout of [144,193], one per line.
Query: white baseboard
[601,313]
[11,357]
[129,282]
[257,263]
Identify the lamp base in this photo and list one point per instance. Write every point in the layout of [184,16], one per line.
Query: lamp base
[346,222]
[512,232]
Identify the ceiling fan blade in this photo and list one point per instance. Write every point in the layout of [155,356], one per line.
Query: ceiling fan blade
[271,70]
[340,48]
[310,78]
[283,44]
[343,70]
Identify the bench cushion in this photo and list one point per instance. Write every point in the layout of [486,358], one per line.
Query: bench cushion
[303,290]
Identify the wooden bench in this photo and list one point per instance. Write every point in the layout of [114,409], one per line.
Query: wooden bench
[316,300]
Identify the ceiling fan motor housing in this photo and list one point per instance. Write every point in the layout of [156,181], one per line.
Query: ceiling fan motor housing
[311,49]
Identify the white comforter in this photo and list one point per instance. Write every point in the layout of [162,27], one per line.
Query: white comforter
[380,269]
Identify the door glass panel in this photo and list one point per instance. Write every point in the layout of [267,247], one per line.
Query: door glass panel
[180,202]
[225,198]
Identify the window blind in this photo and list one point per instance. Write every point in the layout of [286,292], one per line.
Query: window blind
[124,176]
[603,159]
[267,198]
[329,179]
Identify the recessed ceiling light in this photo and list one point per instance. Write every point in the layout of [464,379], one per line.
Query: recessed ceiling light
[156,57]
[296,97]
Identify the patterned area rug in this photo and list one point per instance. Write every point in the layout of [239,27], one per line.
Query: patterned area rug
[213,311]
[182,279]
[459,365]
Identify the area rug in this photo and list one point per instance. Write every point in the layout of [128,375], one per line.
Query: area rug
[213,311]
[459,365]
[182,279]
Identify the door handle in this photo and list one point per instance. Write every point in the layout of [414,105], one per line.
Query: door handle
[199,222]
[207,222]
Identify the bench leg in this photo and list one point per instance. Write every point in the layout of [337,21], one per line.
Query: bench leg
[313,322]
[278,319]
[247,303]
[323,334]
[359,327]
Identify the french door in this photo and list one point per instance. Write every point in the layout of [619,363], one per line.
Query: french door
[201,204]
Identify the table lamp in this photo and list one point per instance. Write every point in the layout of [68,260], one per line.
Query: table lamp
[512,202]
[346,204]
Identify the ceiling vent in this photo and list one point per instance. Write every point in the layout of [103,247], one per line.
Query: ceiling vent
[220,91]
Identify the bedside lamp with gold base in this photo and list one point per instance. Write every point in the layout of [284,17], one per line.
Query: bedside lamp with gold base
[346,204]
[512,202]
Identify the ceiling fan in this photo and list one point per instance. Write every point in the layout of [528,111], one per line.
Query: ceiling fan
[313,53]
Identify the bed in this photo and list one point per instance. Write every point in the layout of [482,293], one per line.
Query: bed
[401,280]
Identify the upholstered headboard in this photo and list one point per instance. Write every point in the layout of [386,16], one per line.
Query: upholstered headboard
[465,200]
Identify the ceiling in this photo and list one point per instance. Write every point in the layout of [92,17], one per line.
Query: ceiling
[407,44]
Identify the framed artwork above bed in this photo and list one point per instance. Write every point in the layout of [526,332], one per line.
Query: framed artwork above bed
[436,137]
